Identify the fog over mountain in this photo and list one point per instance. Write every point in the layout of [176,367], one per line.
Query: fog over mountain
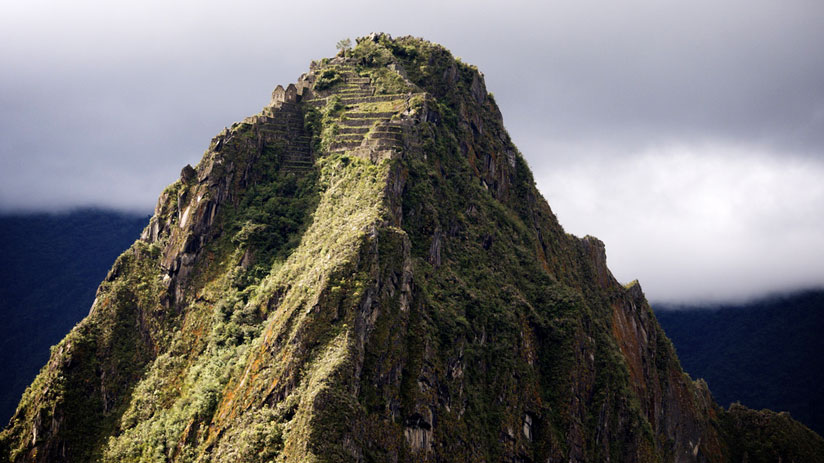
[688,137]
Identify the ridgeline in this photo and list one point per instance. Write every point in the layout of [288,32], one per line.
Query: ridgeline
[365,271]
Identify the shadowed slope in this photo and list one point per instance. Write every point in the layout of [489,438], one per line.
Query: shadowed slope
[421,302]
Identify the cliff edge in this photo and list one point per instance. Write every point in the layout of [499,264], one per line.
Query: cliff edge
[364,271]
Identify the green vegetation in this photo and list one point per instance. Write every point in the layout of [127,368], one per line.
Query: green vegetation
[369,55]
[154,424]
[767,436]
[328,78]
[323,124]
[423,305]
[343,46]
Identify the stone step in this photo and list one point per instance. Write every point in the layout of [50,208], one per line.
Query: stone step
[374,99]
[275,136]
[271,131]
[388,129]
[341,68]
[347,96]
[355,93]
[391,138]
[387,135]
[316,102]
[338,146]
[357,87]
[282,135]
[280,118]
[282,123]
[365,115]
[296,155]
[350,123]
[283,126]
[383,143]
[347,130]
[291,109]
[279,113]
[348,137]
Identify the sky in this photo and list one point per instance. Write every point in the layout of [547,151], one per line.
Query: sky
[688,136]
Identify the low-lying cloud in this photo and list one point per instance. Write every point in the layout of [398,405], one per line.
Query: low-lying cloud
[701,223]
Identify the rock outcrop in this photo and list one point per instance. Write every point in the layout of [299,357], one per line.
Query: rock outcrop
[365,271]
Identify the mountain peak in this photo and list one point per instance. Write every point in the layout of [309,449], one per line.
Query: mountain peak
[365,271]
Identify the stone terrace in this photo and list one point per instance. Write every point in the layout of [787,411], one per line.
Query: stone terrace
[367,123]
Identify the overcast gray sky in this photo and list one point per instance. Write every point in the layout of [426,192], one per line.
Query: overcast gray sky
[689,136]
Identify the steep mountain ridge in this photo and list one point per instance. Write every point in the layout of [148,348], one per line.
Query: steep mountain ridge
[365,271]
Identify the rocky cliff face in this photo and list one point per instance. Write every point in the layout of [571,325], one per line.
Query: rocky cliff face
[365,271]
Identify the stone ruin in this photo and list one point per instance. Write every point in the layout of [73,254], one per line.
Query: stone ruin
[293,93]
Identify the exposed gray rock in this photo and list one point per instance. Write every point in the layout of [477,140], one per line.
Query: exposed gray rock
[188,174]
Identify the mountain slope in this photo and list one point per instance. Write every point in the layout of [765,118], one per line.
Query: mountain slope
[365,272]
[764,354]
[51,264]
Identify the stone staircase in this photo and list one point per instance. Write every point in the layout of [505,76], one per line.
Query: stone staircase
[366,123]
[366,126]
[283,127]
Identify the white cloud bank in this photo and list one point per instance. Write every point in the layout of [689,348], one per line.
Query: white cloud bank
[708,222]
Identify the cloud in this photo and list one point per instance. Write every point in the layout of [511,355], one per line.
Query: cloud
[703,222]
[102,103]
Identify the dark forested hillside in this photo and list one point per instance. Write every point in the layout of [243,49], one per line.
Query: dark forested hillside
[50,266]
[766,354]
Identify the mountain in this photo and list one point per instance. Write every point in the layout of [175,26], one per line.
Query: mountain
[51,264]
[365,271]
[764,354]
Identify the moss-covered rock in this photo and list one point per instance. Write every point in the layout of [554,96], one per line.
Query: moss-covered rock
[365,271]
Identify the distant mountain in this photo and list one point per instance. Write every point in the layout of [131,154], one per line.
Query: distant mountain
[765,354]
[50,266]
